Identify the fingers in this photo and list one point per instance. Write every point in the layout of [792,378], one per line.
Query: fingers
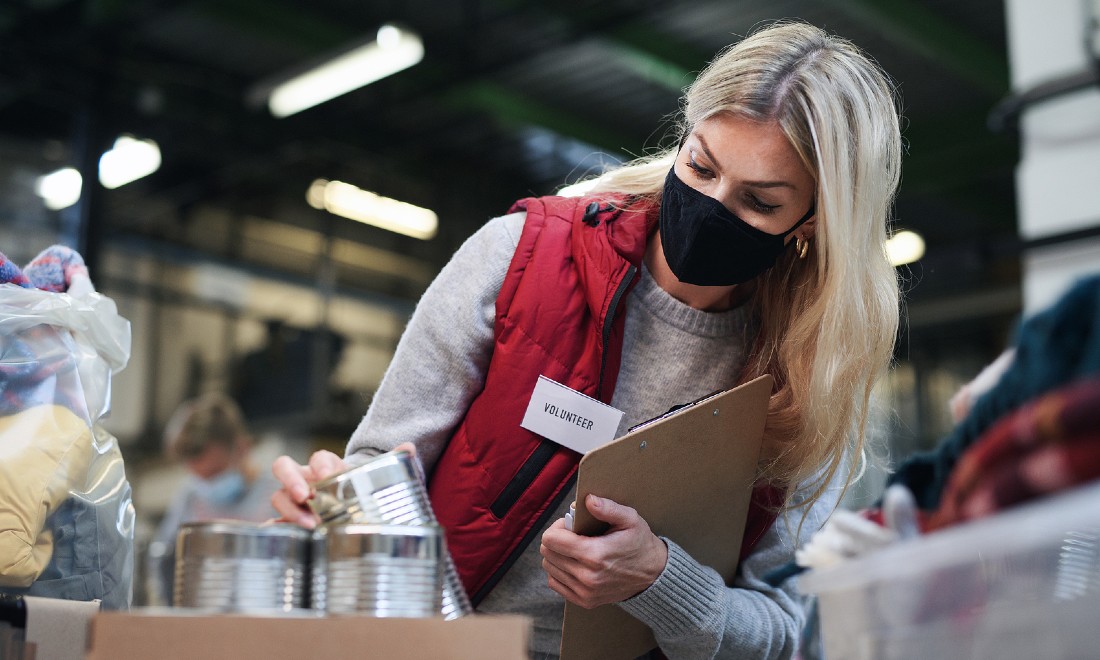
[557,581]
[411,449]
[561,541]
[561,561]
[291,501]
[611,512]
[558,525]
[578,584]
[575,558]
[561,546]
[406,446]
[323,464]
[292,512]
[592,551]
[293,477]
[569,578]
[564,591]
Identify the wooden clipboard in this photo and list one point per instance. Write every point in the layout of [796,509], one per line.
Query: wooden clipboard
[690,475]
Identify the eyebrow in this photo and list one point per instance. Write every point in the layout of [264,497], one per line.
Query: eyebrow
[751,184]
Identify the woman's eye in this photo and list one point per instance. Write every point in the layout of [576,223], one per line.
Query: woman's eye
[759,206]
[699,170]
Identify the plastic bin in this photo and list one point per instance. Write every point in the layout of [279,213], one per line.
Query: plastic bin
[1021,584]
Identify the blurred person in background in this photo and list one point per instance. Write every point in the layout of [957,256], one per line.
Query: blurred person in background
[210,437]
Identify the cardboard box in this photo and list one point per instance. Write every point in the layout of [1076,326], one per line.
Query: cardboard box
[168,635]
[58,629]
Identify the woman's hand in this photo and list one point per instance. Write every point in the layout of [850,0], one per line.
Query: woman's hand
[595,570]
[292,500]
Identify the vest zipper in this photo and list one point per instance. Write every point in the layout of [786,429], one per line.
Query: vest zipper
[526,475]
[605,336]
[535,529]
[542,455]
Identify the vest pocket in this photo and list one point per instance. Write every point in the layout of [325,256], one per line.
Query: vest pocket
[523,479]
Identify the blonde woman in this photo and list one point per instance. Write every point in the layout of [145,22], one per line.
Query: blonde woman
[754,246]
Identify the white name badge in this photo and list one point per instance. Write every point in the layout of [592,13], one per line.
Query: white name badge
[570,418]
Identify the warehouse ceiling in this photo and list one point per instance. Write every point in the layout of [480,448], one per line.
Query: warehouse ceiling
[513,98]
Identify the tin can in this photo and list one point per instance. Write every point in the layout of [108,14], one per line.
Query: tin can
[378,570]
[237,566]
[389,489]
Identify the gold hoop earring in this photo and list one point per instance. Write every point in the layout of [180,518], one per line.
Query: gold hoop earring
[801,246]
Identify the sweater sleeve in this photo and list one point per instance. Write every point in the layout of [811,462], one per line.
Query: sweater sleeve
[693,614]
[440,362]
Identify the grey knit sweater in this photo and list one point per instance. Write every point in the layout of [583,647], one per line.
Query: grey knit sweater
[672,354]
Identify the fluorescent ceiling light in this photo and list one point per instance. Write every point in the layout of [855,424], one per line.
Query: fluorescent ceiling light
[394,49]
[904,247]
[129,160]
[348,201]
[59,189]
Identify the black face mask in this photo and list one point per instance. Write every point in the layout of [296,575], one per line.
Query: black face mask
[705,244]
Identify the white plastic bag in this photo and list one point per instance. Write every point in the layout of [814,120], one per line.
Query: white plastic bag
[66,514]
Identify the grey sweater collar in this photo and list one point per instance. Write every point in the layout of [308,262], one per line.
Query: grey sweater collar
[662,305]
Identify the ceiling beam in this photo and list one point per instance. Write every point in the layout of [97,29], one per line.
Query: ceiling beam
[515,109]
[650,67]
[647,54]
[910,25]
[674,54]
[286,21]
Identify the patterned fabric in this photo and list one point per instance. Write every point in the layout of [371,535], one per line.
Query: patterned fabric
[37,365]
[54,268]
[1053,348]
[37,368]
[1048,445]
[11,274]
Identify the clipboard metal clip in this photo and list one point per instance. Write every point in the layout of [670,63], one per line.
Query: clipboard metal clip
[672,411]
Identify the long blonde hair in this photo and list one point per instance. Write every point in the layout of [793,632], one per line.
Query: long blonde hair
[828,322]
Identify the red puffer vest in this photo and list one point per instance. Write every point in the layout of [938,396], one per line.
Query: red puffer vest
[559,314]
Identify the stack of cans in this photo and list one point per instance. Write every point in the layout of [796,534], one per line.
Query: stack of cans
[378,498]
[378,551]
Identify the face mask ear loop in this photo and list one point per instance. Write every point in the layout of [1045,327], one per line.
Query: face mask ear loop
[809,214]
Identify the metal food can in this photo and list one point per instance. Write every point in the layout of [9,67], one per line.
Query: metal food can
[386,489]
[389,489]
[378,570]
[237,566]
